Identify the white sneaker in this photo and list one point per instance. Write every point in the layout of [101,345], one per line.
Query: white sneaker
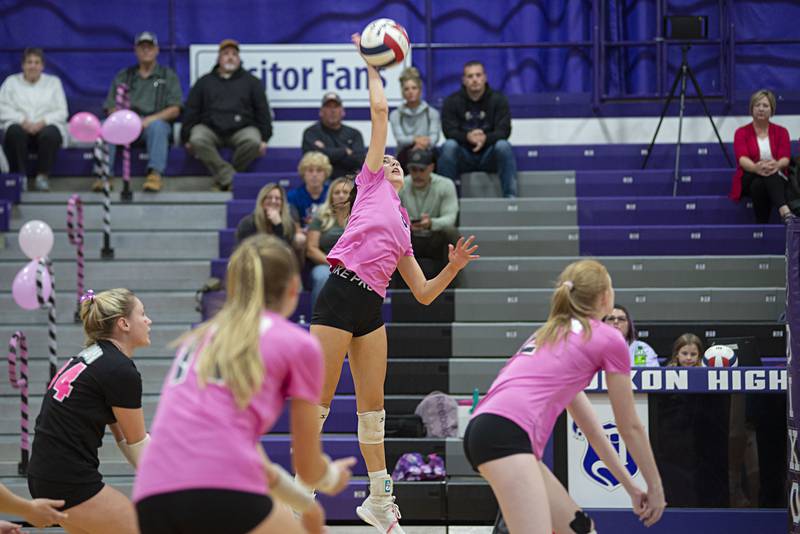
[382,513]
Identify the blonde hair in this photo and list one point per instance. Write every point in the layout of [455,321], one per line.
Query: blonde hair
[260,218]
[315,159]
[761,93]
[99,313]
[682,341]
[410,74]
[578,289]
[259,273]
[327,211]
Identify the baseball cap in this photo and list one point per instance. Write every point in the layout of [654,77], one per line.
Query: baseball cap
[420,158]
[330,95]
[228,42]
[146,37]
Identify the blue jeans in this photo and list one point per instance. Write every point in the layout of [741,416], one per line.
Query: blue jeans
[455,159]
[156,138]
[319,275]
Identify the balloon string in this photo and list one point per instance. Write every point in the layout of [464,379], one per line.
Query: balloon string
[123,102]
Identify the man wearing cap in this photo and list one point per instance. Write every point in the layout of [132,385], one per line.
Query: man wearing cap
[155,94]
[432,205]
[343,145]
[227,107]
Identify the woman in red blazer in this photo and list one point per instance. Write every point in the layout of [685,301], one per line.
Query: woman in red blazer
[762,154]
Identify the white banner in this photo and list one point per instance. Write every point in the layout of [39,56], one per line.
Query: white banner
[591,484]
[298,75]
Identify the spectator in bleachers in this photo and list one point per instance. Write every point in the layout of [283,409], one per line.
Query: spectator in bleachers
[155,94]
[686,351]
[227,107]
[432,205]
[477,123]
[272,216]
[763,151]
[33,113]
[325,230]
[415,124]
[642,354]
[315,169]
[343,145]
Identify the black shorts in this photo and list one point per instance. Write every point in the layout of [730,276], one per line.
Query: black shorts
[346,302]
[202,511]
[72,494]
[491,437]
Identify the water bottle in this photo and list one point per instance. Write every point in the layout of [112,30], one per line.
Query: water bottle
[639,356]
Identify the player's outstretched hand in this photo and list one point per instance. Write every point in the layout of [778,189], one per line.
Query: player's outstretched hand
[313,520]
[345,467]
[462,253]
[43,513]
[10,528]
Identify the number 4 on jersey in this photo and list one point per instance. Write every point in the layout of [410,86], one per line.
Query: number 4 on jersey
[62,382]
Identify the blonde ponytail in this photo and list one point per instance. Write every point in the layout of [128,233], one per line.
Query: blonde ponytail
[100,312]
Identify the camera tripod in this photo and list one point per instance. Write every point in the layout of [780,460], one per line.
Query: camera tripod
[684,71]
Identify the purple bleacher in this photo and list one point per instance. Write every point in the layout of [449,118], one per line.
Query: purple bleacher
[246,185]
[648,211]
[686,240]
[78,162]
[652,182]
[5,215]
[227,242]
[237,210]
[11,187]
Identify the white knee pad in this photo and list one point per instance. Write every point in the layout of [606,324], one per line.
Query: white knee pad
[323,414]
[371,427]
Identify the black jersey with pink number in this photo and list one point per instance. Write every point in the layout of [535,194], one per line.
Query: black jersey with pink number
[76,409]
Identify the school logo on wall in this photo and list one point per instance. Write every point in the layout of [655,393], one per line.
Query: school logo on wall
[591,465]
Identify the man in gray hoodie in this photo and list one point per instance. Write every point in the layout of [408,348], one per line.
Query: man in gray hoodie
[415,124]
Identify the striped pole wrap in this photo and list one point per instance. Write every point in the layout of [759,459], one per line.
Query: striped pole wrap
[123,101]
[100,155]
[18,348]
[50,304]
[76,235]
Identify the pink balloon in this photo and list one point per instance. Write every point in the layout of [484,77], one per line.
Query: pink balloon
[84,126]
[122,127]
[36,239]
[23,288]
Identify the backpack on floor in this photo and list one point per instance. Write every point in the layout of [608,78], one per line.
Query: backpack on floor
[411,466]
[439,413]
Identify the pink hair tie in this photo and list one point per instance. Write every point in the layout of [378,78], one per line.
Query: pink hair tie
[568,284]
[89,295]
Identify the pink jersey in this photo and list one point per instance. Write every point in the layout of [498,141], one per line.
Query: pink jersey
[377,234]
[200,437]
[536,385]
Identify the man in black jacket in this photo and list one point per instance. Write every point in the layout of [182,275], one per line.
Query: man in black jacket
[477,123]
[343,145]
[227,107]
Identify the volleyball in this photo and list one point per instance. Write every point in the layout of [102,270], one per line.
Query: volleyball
[719,356]
[384,43]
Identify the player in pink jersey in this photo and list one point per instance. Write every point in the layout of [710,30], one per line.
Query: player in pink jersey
[205,470]
[510,427]
[347,316]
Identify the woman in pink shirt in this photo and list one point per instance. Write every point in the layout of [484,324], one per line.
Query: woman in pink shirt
[204,470]
[347,315]
[510,427]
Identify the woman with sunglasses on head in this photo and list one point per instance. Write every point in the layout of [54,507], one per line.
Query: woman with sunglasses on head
[642,354]
[347,316]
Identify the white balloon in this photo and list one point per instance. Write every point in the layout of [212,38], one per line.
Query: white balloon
[36,239]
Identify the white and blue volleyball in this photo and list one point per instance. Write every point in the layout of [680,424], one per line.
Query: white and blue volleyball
[720,356]
[384,43]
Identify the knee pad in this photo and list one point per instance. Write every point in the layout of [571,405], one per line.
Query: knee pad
[323,414]
[371,427]
[582,524]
